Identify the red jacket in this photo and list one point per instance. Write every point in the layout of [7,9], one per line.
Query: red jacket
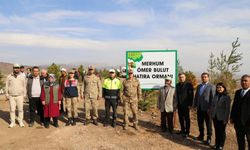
[51,109]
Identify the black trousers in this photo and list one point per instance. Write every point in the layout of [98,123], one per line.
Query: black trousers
[167,116]
[241,133]
[113,104]
[61,107]
[201,117]
[220,132]
[184,119]
[47,120]
[35,104]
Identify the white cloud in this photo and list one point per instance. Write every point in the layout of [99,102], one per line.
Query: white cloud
[127,18]
[21,39]
[130,18]
[187,6]
[59,15]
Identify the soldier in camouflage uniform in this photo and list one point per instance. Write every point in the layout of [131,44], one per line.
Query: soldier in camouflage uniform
[131,93]
[92,92]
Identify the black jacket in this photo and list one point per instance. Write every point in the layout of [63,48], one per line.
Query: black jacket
[184,94]
[29,85]
[241,108]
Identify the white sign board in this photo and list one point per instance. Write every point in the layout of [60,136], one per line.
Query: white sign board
[151,67]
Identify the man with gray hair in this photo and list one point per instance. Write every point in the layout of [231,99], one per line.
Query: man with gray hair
[167,105]
[16,93]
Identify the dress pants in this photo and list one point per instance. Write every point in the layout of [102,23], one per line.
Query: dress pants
[184,119]
[220,132]
[113,104]
[167,117]
[35,104]
[241,133]
[201,117]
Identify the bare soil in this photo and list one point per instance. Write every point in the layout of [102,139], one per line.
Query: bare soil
[92,137]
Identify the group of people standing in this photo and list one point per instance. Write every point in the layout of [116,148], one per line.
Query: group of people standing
[49,99]
[212,104]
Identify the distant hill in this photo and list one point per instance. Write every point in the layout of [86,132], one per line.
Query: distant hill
[6,68]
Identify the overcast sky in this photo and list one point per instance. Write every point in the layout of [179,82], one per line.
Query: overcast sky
[36,32]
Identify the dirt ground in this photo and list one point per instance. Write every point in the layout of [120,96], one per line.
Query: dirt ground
[91,137]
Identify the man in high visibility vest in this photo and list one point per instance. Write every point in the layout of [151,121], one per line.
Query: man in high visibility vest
[111,94]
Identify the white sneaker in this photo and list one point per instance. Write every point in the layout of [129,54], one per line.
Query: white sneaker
[12,124]
[21,124]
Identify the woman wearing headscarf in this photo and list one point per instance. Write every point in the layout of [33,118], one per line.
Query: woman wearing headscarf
[51,99]
[220,114]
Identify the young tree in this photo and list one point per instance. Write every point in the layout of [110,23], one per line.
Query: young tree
[190,77]
[223,67]
[55,69]
[180,68]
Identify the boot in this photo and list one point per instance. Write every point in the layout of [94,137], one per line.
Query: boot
[105,124]
[73,123]
[113,124]
[68,122]
[95,122]
[87,121]
[55,122]
[125,127]
[136,126]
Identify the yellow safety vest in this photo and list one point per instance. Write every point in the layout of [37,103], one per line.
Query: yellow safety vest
[112,84]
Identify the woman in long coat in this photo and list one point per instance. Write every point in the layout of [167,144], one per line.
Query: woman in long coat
[51,99]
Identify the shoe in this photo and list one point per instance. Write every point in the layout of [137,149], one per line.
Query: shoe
[171,131]
[207,142]
[125,127]
[31,124]
[95,122]
[136,126]
[21,124]
[12,125]
[73,122]
[181,133]
[200,138]
[219,148]
[105,124]
[68,122]
[55,124]
[113,124]
[185,135]
[87,122]
[163,129]
[46,126]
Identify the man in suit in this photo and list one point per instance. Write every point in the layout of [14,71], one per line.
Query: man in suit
[184,96]
[202,102]
[240,115]
[167,105]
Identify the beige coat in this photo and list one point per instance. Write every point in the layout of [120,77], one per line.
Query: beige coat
[15,86]
[167,102]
